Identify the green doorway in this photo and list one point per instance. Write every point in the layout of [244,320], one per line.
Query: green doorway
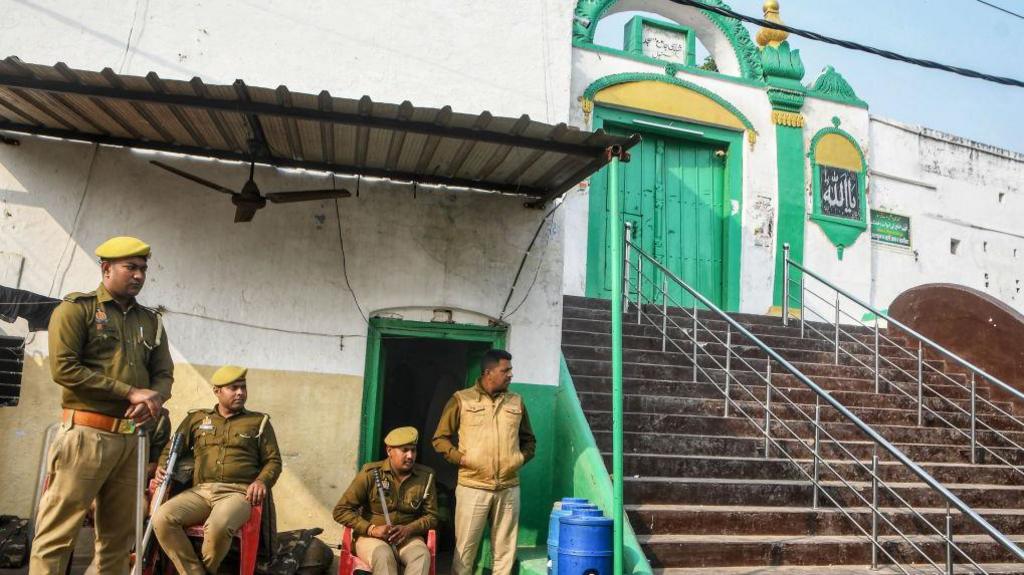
[412,368]
[682,197]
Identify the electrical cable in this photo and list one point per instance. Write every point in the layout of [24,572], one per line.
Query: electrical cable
[344,262]
[74,228]
[169,311]
[853,45]
[526,255]
[1001,9]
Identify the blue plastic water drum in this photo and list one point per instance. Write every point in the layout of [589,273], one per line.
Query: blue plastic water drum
[558,510]
[584,544]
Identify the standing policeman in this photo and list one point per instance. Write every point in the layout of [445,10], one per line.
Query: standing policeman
[110,355]
[490,426]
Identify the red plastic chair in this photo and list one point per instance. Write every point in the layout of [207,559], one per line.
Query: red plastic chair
[349,562]
[248,536]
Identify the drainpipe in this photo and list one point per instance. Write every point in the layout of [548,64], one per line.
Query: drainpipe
[616,272]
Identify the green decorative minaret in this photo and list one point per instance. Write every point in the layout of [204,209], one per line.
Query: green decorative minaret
[783,71]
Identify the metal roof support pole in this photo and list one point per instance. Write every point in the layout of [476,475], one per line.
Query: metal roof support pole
[615,258]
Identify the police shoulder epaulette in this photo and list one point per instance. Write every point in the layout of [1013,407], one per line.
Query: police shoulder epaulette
[77,295]
[424,468]
[205,410]
[371,465]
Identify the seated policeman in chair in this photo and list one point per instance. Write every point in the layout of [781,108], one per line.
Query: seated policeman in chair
[411,500]
[236,462]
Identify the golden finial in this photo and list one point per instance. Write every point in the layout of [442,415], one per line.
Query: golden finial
[770,36]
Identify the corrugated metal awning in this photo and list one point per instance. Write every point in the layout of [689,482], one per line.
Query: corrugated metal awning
[288,129]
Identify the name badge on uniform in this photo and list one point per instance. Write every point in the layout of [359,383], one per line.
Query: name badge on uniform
[386,484]
[101,318]
[206,425]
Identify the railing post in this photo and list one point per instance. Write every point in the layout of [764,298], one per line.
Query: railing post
[803,293]
[627,269]
[920,385]
[877,375]
[949,541]
[785,284]
[768,409]
[817,451]
[695,341]
[974,421]
[728,369]
[639,285]
[874,508]
[837,328]
[140,498]
[664,312]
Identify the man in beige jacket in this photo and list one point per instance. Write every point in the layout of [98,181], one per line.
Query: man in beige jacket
[485,431]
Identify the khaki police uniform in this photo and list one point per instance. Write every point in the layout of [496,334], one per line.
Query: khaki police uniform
[494,441]
[230,454]
[98,352]
[409,502]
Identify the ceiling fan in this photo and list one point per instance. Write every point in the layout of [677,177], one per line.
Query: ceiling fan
[250,200]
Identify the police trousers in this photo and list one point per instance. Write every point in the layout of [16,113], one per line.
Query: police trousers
[87,465]
[222,510]
[413,556]
[474,509]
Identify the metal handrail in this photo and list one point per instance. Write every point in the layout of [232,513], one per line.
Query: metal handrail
[973,371]
[952,501]
[878,313]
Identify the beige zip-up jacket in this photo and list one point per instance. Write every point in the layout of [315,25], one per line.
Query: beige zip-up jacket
[494,437]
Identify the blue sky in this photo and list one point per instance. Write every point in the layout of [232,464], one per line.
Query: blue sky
[962,33]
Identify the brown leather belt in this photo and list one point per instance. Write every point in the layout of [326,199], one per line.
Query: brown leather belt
[99,421]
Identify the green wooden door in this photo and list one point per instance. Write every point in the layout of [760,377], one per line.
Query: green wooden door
[673,195]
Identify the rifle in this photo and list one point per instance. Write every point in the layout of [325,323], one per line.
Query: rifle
[383,502]
[161,491]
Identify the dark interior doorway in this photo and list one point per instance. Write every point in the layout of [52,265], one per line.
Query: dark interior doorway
[419,376]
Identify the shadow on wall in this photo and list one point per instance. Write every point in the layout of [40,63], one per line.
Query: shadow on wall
[970,323]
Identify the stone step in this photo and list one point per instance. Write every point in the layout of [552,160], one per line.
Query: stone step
[795,493]
[657,423]
[780,380]
[776,550]
[892,397]
[677,367]
[905,569]
[662,465]
[652,342]
[702,445]
[667,404]
[655,519]
[925,569]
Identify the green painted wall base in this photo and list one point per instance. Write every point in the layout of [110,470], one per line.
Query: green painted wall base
[567,464]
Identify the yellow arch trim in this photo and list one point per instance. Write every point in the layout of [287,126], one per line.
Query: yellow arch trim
[669,100]
[837,151]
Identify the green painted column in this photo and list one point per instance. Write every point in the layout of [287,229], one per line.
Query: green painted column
[791,207]
[615,245]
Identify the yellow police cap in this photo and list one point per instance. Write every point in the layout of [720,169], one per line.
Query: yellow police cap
[122,247]
[402,436]
[227,375]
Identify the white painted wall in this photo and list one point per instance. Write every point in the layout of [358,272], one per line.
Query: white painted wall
[853,272]
[951,188]
[473,56]
[283,271]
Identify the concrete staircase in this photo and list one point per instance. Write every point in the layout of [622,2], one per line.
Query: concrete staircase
[703,498]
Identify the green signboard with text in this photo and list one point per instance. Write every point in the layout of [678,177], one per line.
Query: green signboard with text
[890,229]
